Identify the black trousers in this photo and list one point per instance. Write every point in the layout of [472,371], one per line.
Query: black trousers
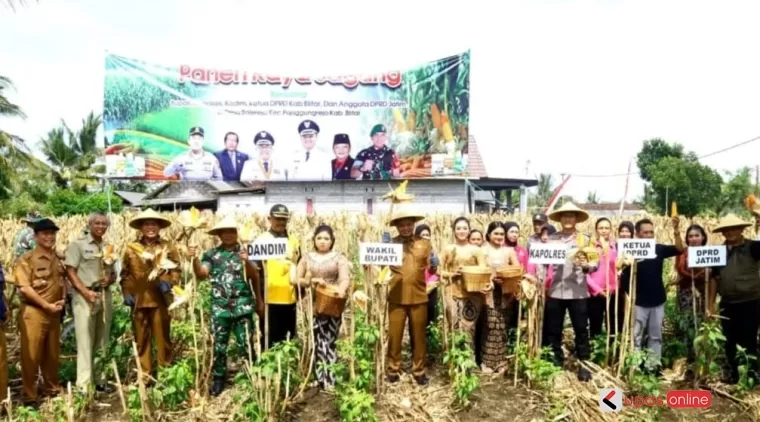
[554,321]
[282,320]
[597,314]
[740,328]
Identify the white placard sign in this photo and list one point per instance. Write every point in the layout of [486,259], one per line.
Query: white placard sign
[271,248]
[381,254]
[548,253]
[707,256]
[637,248]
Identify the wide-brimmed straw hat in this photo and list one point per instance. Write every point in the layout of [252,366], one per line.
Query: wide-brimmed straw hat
[404,210]
[569,207]
[149,214]
[227,223]
[730,221]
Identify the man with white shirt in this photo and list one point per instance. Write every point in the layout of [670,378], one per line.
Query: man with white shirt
[310,163]
[263,167]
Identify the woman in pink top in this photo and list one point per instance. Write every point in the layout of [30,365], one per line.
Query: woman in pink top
[602,285]
[513,235]
[431,279]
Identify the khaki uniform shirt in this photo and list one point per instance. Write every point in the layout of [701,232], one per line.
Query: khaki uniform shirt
[85,255]
[135,272]
[43,272]
[407,285]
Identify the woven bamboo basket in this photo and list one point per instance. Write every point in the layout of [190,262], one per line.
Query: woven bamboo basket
[510,276]
[329,301]
[475,278]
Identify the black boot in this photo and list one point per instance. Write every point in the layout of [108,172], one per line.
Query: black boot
[217,387]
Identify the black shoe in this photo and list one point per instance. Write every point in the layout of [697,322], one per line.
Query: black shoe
[421,380]
[393,378]
[584,375]
[217,387]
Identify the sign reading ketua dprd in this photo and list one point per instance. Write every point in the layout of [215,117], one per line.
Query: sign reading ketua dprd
[381,254]
[637,248]
[272,248]
[707,256]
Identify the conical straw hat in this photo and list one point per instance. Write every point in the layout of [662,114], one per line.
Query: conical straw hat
[149,214]
[581,215]
[226,224]
[730,221]
[404,210]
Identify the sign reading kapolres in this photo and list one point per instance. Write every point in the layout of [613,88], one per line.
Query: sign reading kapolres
[197,123]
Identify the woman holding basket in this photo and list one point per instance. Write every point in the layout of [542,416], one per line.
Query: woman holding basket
[329,272]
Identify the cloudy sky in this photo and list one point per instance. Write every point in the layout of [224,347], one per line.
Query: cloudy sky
[557,86]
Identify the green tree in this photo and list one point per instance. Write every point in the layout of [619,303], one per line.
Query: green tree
[70,202]
[543,192]
[733,192]
[73,154]
[13,150]
[592,198]
[695,187]
[652,152]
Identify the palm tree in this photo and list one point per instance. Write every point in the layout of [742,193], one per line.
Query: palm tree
[13,150]
[73,154]
[12,4]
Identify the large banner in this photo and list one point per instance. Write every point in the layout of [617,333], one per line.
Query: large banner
[202,123]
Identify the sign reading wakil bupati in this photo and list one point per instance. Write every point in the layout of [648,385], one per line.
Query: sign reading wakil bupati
[707,256]
[381,254]
[547,253]
[637,248]
[272,248]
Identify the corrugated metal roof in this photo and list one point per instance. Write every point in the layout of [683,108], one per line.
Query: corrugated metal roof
[134,198]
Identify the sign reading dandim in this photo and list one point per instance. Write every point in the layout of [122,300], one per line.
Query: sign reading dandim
[271,248]
[197,123]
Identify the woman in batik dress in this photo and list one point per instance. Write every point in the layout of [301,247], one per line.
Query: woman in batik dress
[690,302]
[463,308]
[325,267]
[497,255]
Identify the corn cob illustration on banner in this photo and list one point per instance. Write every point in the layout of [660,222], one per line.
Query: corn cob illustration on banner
[159,118]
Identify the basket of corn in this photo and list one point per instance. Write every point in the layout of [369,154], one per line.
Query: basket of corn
[510,276]
[475,278]
[329,301]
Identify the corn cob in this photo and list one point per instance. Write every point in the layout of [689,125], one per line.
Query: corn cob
[400,124]
[411,123]
[673,209]
[435,115]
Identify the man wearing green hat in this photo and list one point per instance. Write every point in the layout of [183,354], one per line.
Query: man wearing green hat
[24,241]
[378,162]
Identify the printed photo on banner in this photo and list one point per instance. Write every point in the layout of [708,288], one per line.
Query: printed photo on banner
[637,248]
[381,254]
[706,256]
[188,122]
[548,253]
[269,248]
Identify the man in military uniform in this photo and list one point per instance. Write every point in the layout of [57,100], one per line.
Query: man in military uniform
[263,167]
[24,241]
[146,297]
[40,277]
[277,276]
[91,277]
[343,162]
[232,296]
[3,344]
[378,162]
[196,164]
[309,162]
[407,295]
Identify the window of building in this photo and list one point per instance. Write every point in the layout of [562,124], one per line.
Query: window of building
[309,206]
[369,206]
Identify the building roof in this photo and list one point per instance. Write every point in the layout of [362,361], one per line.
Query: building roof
[132,198]
[611,206]
[475,166]
[194,192]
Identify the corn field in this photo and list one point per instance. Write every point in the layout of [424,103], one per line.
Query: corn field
[275,387]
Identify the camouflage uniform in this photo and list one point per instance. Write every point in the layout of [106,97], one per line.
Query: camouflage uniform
[232,304]
[24,242]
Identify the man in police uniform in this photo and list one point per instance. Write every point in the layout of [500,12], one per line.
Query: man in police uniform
[263,167]
[196,164]
[378,162]
[343,162]
[309,162]
[24,240]
[39,275]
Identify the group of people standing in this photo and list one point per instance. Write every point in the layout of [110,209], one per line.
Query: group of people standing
[586,289]
[309,162]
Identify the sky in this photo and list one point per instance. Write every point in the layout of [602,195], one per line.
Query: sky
[559,87]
